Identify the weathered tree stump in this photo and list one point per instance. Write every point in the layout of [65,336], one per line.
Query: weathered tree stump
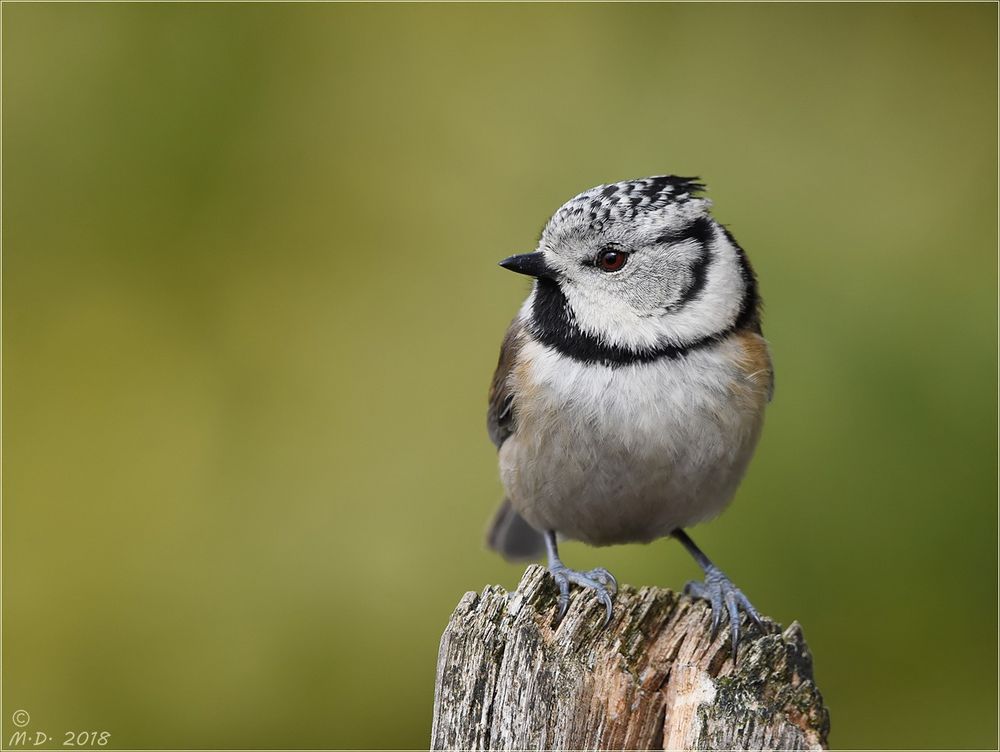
[653,679]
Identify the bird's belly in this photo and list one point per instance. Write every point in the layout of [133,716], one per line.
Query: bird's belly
[615,455]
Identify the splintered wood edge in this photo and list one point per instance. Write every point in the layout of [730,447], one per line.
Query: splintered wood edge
[508,679]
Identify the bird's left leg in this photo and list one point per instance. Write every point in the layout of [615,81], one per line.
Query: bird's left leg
[718,589]
[600,580]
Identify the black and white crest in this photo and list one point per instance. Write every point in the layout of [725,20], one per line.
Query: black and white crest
[623,202]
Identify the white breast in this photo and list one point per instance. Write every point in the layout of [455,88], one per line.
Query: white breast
[614,455]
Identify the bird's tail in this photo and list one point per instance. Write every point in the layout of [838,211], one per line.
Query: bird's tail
[512,537]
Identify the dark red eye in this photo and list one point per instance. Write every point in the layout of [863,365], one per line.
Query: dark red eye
[611,261]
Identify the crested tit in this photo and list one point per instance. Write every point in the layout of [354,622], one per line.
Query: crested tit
[631,386]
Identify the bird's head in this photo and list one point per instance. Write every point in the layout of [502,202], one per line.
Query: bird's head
[636,266]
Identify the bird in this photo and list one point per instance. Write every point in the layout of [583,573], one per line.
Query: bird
[631,386]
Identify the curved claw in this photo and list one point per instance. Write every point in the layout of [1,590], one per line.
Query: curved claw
[605,598]
[751,611]
[600,580]
[563,582]
[734,621]
[724,597]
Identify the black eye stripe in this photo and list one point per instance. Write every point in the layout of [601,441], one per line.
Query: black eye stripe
[699,230]
[699,276]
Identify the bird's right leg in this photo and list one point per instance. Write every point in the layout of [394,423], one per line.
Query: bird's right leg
[720,592]
[600,580]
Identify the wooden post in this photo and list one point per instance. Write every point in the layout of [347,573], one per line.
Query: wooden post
[653,679]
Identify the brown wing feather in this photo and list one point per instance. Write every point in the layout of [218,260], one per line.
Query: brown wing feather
[509,534]
[500,416]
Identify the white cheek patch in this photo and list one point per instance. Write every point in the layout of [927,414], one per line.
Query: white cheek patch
[644,322]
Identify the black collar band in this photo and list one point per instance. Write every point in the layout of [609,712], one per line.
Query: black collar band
[552,324]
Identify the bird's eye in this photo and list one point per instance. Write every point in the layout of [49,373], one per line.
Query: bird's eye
[611,261]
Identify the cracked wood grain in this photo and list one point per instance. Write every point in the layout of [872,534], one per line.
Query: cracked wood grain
[654,679]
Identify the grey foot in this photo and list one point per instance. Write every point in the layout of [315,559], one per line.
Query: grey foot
[600,580]
[718,589]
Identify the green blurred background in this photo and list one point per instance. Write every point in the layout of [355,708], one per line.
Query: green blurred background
[251,309]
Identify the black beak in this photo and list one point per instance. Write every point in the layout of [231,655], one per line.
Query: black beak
[532,264]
